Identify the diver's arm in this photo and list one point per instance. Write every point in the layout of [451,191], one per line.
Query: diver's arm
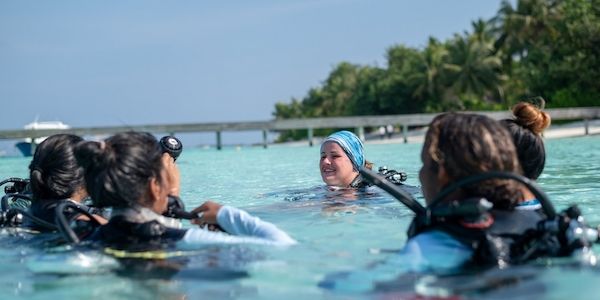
[238,222]
[241,228]
[100,219]
[436,251]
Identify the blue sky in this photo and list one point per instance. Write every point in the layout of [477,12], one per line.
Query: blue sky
[102,63]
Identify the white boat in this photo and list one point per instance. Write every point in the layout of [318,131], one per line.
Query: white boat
[25,146]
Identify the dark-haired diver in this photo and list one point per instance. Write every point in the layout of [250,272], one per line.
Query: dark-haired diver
[32,205]
[130,173]
[473,225]
[526,130]
[55,176]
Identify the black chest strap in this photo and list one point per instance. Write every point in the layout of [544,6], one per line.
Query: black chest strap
[498,236]
[122,234]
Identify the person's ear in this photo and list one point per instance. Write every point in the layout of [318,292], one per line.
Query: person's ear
[154,189]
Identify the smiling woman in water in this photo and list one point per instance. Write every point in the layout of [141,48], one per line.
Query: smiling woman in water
[342,155]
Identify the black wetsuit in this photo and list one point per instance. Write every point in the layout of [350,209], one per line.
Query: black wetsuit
[44,209]
[508,238]
[123,234]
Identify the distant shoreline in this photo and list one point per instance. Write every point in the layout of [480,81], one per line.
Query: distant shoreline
[574,129]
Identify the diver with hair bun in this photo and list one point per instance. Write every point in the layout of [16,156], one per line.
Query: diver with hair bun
[131,173]
[526,130]
[55,176]
[472,184]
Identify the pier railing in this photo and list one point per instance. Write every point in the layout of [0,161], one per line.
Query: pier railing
[358,122]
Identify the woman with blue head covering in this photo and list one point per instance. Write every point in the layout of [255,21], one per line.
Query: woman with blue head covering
[342,155]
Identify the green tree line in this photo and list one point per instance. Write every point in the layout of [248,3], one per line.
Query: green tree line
[548,48]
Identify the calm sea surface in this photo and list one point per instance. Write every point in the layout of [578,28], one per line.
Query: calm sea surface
[282,185]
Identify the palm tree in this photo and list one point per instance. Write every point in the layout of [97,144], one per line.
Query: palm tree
[428,80]
[338,89]
[472,68]
[523,27]
[483,33]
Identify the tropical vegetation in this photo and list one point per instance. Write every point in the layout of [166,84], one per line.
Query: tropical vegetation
[547,48]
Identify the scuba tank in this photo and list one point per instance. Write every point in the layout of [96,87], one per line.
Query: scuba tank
[498,236]
[15,203]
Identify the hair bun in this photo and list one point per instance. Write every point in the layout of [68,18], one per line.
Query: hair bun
[36,177]
[531,117]
[89,153]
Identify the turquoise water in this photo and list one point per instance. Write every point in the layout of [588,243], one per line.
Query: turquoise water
[281,185]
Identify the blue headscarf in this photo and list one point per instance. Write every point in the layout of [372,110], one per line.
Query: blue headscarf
[351,144]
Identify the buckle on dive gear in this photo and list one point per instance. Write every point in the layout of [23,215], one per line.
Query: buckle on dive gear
[393,176]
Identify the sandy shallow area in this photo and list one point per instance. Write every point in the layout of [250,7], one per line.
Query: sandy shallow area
[553,132]
[418,135]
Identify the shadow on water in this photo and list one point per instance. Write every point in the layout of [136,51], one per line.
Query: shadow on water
[531,281]
[334,201]
[58,269]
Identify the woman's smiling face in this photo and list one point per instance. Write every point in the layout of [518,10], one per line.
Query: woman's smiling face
[336,168]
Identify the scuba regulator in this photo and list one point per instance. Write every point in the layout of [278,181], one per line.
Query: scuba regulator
[19,185]
[393,176]
[171,145]
[175,206]
[16,197]
[176,209]
[14,205]
[571,230]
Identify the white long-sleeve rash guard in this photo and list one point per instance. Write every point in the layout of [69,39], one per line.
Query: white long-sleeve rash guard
[241,227]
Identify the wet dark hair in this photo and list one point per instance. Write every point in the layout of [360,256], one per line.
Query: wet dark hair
[526,129]
[118,170]
[54,171]
[470,144]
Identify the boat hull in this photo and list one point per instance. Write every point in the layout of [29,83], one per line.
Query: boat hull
[25,148]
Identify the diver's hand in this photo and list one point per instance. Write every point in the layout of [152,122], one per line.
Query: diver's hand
[173,175]
[207,213]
